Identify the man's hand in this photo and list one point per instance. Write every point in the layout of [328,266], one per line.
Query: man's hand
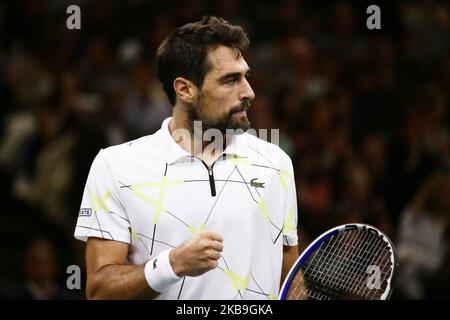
[197,255]
[110,277]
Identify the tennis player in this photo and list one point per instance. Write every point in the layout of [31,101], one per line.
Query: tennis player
[200,209]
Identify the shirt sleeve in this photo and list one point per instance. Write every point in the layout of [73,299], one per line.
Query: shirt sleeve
[290,237]
[101,214]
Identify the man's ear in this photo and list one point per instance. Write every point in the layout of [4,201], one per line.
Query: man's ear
[185,90]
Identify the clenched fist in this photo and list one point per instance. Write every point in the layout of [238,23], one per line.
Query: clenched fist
[197,255]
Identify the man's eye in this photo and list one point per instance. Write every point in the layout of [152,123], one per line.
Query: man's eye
[231,81]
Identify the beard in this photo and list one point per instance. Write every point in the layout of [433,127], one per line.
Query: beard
[230,120]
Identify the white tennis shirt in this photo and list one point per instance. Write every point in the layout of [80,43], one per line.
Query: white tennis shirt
[151,194]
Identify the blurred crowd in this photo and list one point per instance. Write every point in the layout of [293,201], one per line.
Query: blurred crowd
[362,113]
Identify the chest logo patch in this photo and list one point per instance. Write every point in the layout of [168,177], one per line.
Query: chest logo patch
[256,184]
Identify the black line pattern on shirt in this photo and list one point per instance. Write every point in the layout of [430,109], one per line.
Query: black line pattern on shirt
[259,287]
[257,292]
[220,180]
[123,185]
[275,241]
[181,289]
[101,231]
[226,181]
[145,246]
[267,167]
[268,217]
[167,211]
[271,163]
[153,238]
[158,241]
[120,216]
[238,294]
[243,179]
[98,222]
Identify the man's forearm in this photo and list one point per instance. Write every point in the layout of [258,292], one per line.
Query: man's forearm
[290,255]
[120,282]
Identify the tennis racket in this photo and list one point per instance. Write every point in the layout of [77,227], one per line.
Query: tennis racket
[352,261]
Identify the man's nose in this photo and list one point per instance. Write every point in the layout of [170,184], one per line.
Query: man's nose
[247,91]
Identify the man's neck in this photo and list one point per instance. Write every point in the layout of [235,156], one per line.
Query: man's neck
[183,133]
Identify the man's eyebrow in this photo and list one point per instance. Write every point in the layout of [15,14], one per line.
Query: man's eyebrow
[232,75]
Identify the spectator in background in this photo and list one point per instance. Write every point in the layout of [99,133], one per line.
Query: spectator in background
[354,107]
[40,270]
[358,203]
[424,238]
[373,154]
[146,105]
[47,170]
[410,159]
[427,22]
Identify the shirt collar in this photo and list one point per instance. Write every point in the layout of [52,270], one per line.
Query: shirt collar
[169,148]
[172,152]
[238,145]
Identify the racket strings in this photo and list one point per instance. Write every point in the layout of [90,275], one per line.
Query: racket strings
[314,274]
[335,251]
[333,258]
[344,271]
[361,259]
[355,269]
[384,263]
[339,267]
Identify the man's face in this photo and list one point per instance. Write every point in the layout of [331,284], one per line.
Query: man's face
[226,94]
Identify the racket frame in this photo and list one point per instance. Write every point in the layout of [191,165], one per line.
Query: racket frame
[325,236]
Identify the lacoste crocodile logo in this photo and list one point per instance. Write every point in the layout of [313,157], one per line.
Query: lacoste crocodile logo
[256,184]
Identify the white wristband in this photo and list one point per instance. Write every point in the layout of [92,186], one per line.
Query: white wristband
[159,273]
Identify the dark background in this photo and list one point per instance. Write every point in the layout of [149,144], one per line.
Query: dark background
[362,113]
